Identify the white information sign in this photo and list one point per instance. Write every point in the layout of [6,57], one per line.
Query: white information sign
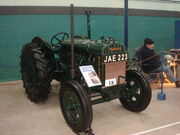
[110,82]
[90,75]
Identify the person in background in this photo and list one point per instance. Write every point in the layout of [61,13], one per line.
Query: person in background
[151,62]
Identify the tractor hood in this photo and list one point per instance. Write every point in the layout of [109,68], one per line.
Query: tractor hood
[94,46]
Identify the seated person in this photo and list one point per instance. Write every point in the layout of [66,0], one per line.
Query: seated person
[151,61]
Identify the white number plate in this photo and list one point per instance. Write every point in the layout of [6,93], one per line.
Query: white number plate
[110,82]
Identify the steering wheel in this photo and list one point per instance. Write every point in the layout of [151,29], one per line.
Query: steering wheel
[58,38]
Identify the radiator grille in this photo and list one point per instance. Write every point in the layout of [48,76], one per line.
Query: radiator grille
[113,70]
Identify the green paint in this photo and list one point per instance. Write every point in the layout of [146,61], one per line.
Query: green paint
[17,30]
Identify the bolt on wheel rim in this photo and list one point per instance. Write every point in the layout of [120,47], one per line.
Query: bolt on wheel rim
[134,92]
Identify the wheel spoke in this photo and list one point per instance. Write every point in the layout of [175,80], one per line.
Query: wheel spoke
[133,92]
[57,39]
[136,86]
[72,107]
[63,37]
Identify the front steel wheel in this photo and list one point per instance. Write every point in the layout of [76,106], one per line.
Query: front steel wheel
[138,92]
[75,106]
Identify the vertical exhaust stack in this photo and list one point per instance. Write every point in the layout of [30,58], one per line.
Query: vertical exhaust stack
[72,40]
[88,24]
[126,23]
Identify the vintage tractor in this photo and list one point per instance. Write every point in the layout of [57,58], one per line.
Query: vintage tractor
[90,72]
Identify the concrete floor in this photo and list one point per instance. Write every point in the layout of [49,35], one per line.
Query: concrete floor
[19,116]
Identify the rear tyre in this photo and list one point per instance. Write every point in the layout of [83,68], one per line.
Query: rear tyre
[36,69]
[75,106]
[138,92]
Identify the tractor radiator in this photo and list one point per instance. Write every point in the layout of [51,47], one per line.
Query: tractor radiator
[113,71]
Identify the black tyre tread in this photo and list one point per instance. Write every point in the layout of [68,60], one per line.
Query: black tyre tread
[43,70]
[84,100]
[147,92]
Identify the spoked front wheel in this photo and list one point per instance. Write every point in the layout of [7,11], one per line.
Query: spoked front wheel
[75,106]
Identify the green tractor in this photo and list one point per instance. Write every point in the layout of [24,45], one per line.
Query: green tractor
[90,72]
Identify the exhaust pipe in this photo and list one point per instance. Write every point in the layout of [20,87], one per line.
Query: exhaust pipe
[72,40]
[88,24]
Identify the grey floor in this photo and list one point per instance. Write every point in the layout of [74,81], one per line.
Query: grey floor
[19,116]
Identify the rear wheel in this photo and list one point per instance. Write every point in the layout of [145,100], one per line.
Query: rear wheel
[138,92]
[75,106]
[36,69]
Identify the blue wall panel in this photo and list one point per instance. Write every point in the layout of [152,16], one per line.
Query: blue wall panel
[160,29]
[177,35]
